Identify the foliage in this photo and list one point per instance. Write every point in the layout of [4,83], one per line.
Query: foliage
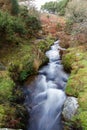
[49,6]
[55,7]
[45,44]
[77,11]
[15,7]
[69,24]
[61,6]
[14,72]
[31,21]
[10,26]
[32,24]
[6,87]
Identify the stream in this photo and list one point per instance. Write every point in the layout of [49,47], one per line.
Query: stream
[45,96]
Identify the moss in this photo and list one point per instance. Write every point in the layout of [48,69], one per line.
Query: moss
[83,117]
[6,87]
[45,44]
[77,83]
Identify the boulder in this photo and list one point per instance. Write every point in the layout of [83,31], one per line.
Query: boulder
[70,108]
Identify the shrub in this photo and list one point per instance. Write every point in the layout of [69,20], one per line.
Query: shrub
[15,7]
[69,24]
[77,11]
[10,26]
[61,6]
[55,7]
[32,24]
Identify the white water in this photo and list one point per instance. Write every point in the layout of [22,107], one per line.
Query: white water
[45,96]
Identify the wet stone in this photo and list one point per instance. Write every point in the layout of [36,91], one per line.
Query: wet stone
[70,108]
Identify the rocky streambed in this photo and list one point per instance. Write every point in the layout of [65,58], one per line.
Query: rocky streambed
[45,96]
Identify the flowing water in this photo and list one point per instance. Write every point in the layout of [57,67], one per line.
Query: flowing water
[45,96]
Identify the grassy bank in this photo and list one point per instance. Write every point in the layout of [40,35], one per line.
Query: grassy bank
[75,60]
[20,61]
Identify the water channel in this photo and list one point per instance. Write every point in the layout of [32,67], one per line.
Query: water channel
[45,96]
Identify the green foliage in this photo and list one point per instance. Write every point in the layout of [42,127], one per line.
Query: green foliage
[15,7]
[44,45]
[23,75]
[83,117]
[28,69]
[55,7]
[49,6]
[32,22]
[69,24]
[62,4]
[20,71]
[33,25]
[10,27]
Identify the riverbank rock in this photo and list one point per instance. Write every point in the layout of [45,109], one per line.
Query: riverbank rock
[70,108]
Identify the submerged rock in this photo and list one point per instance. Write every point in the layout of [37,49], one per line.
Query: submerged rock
[70,108]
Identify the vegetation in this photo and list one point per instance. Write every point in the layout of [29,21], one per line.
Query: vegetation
[18,29]
[75,59]
[10,27]
[15,7]
[77,11]
[55,7]
[76,14]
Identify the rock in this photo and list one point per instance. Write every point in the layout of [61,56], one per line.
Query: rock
[70,108]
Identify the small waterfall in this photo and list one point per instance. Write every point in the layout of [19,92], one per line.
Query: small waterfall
[45,96]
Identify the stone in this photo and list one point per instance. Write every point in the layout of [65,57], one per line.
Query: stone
[70,108]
